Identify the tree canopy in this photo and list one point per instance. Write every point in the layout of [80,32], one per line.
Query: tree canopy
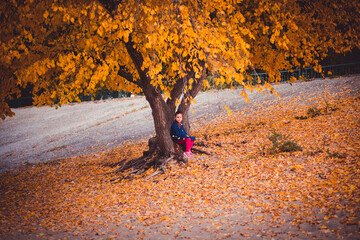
[163,49]
[64,48]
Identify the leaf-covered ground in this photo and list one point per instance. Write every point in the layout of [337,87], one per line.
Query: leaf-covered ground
[285,171]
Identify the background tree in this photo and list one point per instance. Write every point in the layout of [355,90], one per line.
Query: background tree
[163,49]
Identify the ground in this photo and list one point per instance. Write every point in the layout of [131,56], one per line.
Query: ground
[45,133]
[255,185]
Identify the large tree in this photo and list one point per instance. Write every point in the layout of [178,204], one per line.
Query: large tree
[163,49]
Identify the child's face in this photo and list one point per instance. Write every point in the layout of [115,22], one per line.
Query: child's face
[178,118]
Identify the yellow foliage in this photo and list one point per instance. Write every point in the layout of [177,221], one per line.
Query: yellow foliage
[174,40]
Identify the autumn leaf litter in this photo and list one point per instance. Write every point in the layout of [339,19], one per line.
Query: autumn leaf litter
[246,189]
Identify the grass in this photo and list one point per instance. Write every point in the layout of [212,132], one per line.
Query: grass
[281,143]
[314,111]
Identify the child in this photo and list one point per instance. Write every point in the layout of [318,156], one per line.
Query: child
[179,135]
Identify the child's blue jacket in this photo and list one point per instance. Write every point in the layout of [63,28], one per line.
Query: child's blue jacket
[179,134]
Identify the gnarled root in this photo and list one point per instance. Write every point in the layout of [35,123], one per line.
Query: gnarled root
[150,159]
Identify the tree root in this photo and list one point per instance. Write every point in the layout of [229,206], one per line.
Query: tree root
[200,150]
[155,174]
[150,159]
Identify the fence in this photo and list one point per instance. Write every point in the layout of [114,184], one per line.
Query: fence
[310,73]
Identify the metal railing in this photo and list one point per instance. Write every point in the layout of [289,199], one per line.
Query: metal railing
[309,73]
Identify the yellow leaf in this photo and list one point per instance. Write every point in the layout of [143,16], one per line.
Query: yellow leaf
[292,79]
[228,110]
[206,84]
[322,227]
[246,99]
[46,14]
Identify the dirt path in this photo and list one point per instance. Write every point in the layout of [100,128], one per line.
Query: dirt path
[45,134]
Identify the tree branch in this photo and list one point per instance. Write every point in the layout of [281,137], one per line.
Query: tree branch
[195,88]
[176,92]
[129,77]
[138,60]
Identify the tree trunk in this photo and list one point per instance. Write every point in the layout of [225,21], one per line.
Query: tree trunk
[162,112]
[162,150]
[163,117]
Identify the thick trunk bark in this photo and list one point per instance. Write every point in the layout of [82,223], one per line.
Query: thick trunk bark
[163,118]
[161,112]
